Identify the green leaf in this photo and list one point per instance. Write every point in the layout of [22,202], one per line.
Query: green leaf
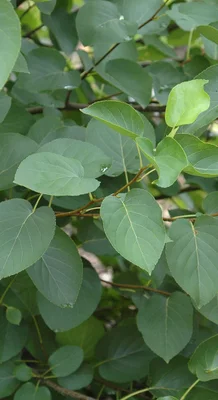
[5,104]
[58,274]
[202,394]
[29,391]
[46,67]
[171,378]
[101,22]
[13,338]
[119,116]
[85,336]
[44,130]
[13,149]
[190,15]
[10,40]
[121,149]
[185,102]
[93,160]
[66,360]
[130,82]
[79,379]
[54,174]
[143,12]
[169,159]
[23,373]
[8,382]
[192,257]
[47,7]
[122,355]
[210,310]
[209,32]
[13,315]
[166,324]
[203,362]
[62,319]
[210,203]
[27,236]
[210,74]
[21,64]
[153,40]
[134,226]
[202,157]
[62,26]
[93,238]
[17,120]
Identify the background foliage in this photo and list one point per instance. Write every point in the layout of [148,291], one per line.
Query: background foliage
[108,199]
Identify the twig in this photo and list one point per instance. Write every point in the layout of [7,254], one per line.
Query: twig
[26,11]
[80,211]
[66,392]
[78,106]
[127,286]
[29,34]
[86,73]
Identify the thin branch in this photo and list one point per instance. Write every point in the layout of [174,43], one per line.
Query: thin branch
[127,286]
[26,11]
[80,211]
[86,73]
[66,392]
[78,106]
[29,34]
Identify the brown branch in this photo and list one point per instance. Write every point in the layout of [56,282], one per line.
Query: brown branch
[86,73]
[79,106]
[127,286]
[80,211]
[66,392]
[29,34]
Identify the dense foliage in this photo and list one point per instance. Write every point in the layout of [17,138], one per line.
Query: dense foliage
[108,199]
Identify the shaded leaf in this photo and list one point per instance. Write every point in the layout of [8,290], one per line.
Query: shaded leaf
[133,224]
[58,274]
[123,355]
[210,32]
[79,379]
[8,382]
[210,203]
[13,315]
[28,391]
[5,104]
[23,373]
[204,361]
[192,257]
[166,324]
[66,360]
[24,227]
[190,15]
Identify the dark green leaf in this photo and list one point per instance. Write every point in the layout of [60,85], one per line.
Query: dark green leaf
[59,319]
[23,373]
[133,224]
[119,116]
[10,40]
[79,379]
[54,174]
[58,274]
[5,104]
[29,391]
[210,203]
[121,149]
[13,149]
[122,355]
[85,336]
[169,159]
[204,363]
[8,383]
[46,68]
[192,257]
[130,82]
[24,228]
[65,360]
[13,338]
[166,324]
